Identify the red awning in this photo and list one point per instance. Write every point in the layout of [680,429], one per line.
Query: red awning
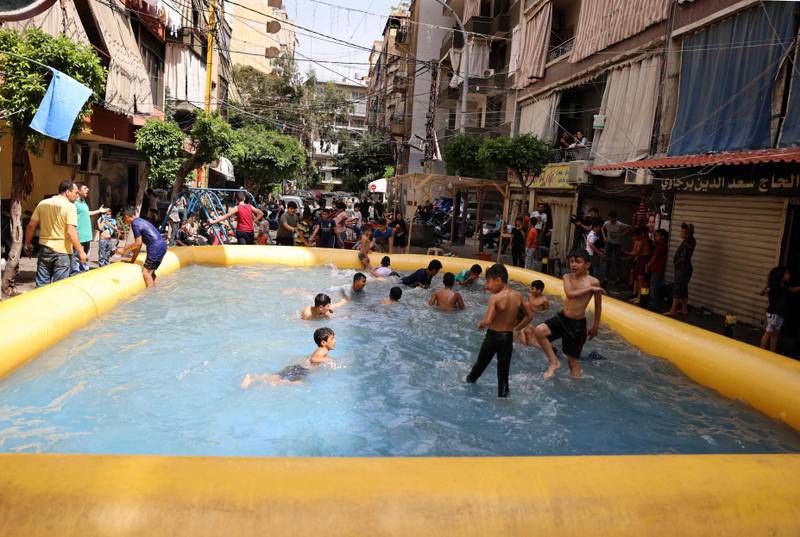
[788,154]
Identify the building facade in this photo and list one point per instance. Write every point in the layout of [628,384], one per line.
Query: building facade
[261,32]
[688,110]
[155,55]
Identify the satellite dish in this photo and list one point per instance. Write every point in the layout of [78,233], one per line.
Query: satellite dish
[17,10]
[273,27]
[273,52]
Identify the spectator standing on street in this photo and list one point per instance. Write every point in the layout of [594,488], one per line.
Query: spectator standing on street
[246,217]
[594,247]
[400,229]
[539,222]
[683,272]
[777,291]
[518,243]
[612,233]
[656,267]
[531,244]
[326,229]
[85,230]
[287,226]
[107,226]
[58,236]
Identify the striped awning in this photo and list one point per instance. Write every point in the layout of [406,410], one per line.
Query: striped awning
[605,22]
[731,158]
[128,87]
[535,42]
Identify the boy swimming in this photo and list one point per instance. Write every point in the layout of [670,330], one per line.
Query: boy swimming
[538,303]
[350,290]
[422,277]
[569,325]
[501,321]
[445,298]
[385,270]
[296,373]
[394,296]
[321,309]
[466,277]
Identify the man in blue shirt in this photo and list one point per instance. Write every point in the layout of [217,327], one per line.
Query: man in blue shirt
[383,236]
[145,233]
[422,277]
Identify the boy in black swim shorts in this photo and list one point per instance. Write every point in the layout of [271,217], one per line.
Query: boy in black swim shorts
[569,325]
[296,373]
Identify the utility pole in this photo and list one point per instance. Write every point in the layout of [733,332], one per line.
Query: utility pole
[465,60]
[210,53]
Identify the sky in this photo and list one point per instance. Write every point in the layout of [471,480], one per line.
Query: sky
[342,23]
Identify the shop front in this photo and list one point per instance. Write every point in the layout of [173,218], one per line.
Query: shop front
[746,222]
[556,189]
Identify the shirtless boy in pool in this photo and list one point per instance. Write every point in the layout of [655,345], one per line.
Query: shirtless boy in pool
[321,309]
[296,373]
[539,304]
[445,298]
[569,325]
[501,321]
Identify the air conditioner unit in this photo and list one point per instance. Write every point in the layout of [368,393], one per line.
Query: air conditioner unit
[641,177]
[488,73]
[66,155]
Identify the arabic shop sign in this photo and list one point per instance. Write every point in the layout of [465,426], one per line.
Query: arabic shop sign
[555,176]
[777,184]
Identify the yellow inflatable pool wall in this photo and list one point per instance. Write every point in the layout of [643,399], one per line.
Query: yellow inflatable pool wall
[620,496]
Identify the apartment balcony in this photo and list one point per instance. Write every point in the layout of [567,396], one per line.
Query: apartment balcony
[397,126]
[571,154]
[452,39]
[561,49]
[479,25]
[400,84]
[501,24]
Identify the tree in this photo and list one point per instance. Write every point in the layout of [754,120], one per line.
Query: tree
[210,138]
[363,159]
[291,103]
[264,157]
[24,84]
[461,156]
[524,156]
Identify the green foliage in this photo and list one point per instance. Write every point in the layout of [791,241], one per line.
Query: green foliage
[461,156]
[364,159]
[162,143]
[264,157]
[211,136]
[25,83]
[292,104]
[388,172]
[524,155]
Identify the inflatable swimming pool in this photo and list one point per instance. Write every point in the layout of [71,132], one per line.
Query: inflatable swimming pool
[623,495]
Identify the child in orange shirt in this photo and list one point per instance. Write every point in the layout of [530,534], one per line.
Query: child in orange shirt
[531,243]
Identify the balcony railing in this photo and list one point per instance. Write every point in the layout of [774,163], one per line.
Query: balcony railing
[571,154]
[560,50]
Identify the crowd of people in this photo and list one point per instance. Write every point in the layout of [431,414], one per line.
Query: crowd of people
[508,318]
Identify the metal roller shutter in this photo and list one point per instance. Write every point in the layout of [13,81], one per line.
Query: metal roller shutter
[738,242]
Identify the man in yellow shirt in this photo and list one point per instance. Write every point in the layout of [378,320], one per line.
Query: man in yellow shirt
[58,219]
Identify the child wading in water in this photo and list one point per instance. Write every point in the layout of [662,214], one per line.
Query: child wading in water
[394,297]
[777,291]
[538,303]
[569,325]
[321,309]
[445,298]
[466,277]
[501,321]
[295,374]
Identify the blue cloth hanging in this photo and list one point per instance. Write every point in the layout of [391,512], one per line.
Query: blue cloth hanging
[60,106]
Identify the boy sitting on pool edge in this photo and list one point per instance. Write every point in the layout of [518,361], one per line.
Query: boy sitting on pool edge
[294,374]
[569,325]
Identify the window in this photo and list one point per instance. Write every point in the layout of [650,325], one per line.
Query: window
[154,65]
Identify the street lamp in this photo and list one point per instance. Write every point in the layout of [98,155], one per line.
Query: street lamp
[465,59]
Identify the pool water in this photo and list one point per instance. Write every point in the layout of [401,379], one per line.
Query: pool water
[160,374]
